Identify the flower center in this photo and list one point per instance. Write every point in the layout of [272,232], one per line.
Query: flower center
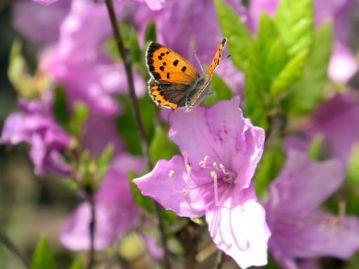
[219,175]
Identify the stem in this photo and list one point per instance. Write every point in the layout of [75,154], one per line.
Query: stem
[138,119]
[276,129]
[92,229]
[189,238]
[5,240]
[220,260]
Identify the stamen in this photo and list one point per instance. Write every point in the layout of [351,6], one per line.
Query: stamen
[214,165]
[223,169]
[203,162]
[215,186]
[185,192]
[188,168]
[171,173]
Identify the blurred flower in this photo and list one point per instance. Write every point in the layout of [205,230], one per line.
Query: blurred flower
[80,64]
[153,4]
[213,178]
[153,249]
[100,131]
[46,2]
[299,229]
[45,21]
[338,121]
[116,211]
[35,125]
[342,64]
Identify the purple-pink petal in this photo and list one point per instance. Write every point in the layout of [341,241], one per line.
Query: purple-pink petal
[299,229]
[304,184]
[168,185]
[240,230]
[116,211]
[45,2]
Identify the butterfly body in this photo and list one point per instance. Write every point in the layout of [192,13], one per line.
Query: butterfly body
[174,81]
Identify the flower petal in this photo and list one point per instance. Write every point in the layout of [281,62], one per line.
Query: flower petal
[213,132]
[241,230]
[316,235]
[115,209]
[304,184]
[168,185]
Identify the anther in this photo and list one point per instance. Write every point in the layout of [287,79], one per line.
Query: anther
[203,162]
[214,165]
[171,173]
[185,191]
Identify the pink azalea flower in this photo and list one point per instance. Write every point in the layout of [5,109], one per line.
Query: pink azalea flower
[299,228]
[35,125]
[45,21]
[45,2]
[338,121]
[343,64]
[116,211]
[153,4]
[213,178]
[79,62]
[331,120]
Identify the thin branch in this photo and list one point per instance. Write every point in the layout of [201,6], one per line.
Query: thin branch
[5,240]
[92,229]
[138,119]
[220,260]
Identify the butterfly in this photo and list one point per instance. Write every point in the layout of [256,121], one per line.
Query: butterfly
[174,82]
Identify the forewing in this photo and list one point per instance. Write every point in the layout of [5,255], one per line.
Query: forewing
[168,95]
[165,65]
[199,92]
[217,57]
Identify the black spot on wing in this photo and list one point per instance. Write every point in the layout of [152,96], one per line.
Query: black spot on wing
[156,76]
[175,62]
[183,68]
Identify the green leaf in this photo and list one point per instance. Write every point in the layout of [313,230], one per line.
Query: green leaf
[238,36]
[126,124]
[294,19]
[316,148]
[353,167]
[269,167]
[245,3]
[60,107]
[78,120]
[270,50]
[308,92]
[43,257]
[78,263]
[161,147]
[104,160]
[150,32]
[256,102]
[220,91]
[290,73]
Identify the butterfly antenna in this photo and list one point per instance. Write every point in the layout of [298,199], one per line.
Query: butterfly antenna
[198,61]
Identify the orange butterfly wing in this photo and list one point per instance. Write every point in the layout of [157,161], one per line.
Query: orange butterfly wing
[197,95]
[156,95]
[217,57]
[165,65]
